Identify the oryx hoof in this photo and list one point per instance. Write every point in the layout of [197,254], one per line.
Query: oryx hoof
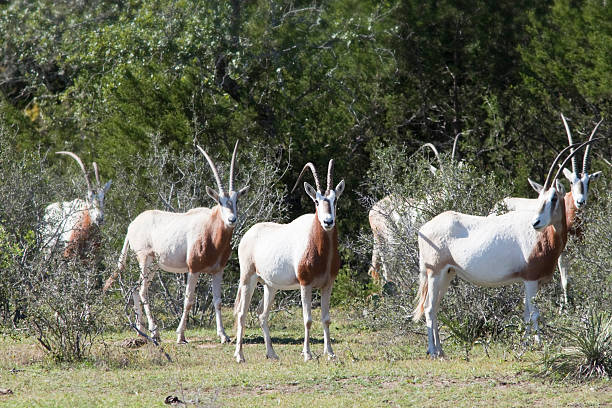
[239,358]
[272,356]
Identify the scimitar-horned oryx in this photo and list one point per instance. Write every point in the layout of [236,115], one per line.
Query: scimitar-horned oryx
[300,255]
[392,214]
[575,200]
[194,242]
[73,225]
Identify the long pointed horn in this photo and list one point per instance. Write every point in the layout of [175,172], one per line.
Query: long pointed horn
[571,142]
[552,167]
[78,160]
[214,170]
[549,182]
[587,151]
[314,173]
[330,175]
[95,166]
[231,176]
[433,148]
[455,146]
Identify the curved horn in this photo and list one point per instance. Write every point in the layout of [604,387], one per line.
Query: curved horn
[78,160]
[568,158]
[95,166]
[455,146]
[587,151]
[433,148]
[550,170]
[231,176]
[571,142]
[214,170]
[314,173]
[330,175]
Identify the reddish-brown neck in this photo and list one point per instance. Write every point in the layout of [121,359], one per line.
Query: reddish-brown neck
[81,232]
[571,215]
[321,256]
[549,245]
[562,226]
[212,248]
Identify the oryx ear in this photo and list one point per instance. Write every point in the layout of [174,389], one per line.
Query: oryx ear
[560,187]
[595,176]
[569,175]
[212,193]
[107,185]
[243,190]
[312,193]
[433,169]
[339,189]
[537,187]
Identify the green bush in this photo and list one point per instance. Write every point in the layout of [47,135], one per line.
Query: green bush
[586,351]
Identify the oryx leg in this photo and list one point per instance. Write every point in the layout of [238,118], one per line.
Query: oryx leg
[326,320]
[445,280]
[562,262]
[375,266]
[246,289]
[146,275]
[532,313]
[306,292]
[434,282]
[192,280]
[216,289]
[268,301]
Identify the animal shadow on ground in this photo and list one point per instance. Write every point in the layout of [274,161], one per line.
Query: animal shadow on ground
[284,340]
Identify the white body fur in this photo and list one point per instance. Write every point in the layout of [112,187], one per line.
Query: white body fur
[276,249]
[60,220]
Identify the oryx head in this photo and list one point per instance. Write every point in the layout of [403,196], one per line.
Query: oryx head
[95,196]
[325,201]
[228,201]
[551,193]
[580,181]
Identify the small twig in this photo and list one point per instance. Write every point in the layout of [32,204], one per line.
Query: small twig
[166,203]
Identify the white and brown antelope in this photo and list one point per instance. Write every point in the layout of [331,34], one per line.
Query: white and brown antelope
[394,216]
[300,255]
[72,225]
[575,199]
[492,251]
[194,242]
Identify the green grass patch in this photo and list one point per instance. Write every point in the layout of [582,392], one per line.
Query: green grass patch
[373,368]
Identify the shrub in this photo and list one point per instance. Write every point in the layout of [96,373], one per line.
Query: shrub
[586,351]
[43,295]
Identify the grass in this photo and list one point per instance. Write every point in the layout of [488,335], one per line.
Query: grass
[373,368]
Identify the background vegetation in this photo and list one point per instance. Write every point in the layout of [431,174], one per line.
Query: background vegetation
[135,85]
